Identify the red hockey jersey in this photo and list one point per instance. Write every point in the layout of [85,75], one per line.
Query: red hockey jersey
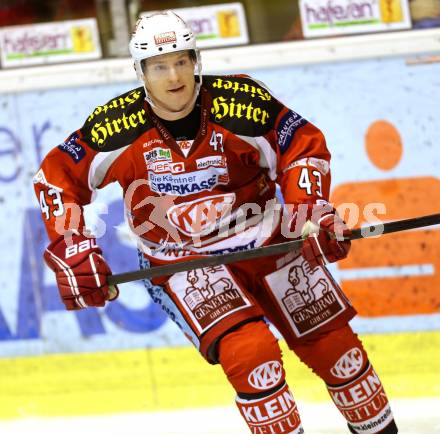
[218,198]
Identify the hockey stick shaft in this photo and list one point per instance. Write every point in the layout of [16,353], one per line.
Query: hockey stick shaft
[274,249]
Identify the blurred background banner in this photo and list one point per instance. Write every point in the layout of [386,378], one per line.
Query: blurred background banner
[62,41]
[217,25]
[380,118]
[338,17]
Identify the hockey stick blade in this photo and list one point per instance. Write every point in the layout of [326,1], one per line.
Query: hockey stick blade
[274,249]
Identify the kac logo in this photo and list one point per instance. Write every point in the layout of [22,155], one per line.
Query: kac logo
[349,364]
[266,376]
[201,216]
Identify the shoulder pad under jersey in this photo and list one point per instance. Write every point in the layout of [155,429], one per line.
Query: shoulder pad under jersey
[241,104]
[117,123]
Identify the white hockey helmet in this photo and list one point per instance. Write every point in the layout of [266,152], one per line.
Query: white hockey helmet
[161,33]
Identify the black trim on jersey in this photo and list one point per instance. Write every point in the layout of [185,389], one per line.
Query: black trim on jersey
[260,395]
[358,375]
[238,104]
[117,123]
[241,105]
[201,132]
[187,127]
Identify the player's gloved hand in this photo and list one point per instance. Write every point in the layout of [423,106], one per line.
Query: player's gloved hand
[324,233]
[80,270]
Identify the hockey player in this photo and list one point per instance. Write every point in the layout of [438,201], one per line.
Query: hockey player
[198,158]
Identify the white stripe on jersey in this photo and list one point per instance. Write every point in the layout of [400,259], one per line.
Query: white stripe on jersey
[270,156]
[100,165]
[322,165]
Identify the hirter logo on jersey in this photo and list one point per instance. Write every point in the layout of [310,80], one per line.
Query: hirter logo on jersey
[201,216]
[165,38]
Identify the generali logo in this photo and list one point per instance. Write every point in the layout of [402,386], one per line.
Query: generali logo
[349,364]
[266,376]
[165,38]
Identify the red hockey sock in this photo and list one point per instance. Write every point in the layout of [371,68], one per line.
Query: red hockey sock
[251,359]
[338,357]
[363,403]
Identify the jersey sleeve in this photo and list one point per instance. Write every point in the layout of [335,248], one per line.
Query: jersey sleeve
[303,160]
[62,185]
[89,159]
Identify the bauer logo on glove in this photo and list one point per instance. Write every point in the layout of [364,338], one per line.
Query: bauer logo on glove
[81,247]
[81,271]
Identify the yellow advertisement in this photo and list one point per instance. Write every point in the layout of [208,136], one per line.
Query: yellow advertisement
[82,39]
[228,23]
[391,11]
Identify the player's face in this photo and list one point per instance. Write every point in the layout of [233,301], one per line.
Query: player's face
[170,81]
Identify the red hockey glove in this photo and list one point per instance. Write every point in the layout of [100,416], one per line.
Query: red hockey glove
[324,232]
[81,271]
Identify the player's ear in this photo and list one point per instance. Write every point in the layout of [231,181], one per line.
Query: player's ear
[139,71]
[193,56]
